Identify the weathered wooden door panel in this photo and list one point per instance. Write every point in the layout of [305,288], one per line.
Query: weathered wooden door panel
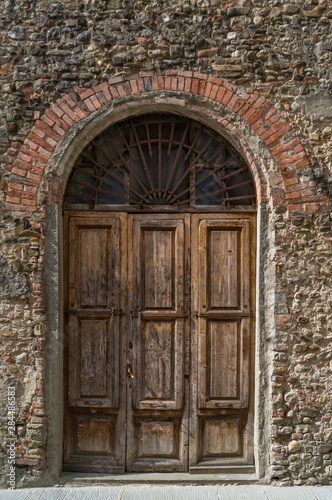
[95,415]
[221,343]
[157,408]
[221,438]
[223,363]
[94,361]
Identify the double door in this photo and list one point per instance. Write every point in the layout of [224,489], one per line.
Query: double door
[158,351]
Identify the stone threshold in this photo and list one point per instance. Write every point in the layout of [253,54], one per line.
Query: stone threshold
[76,479]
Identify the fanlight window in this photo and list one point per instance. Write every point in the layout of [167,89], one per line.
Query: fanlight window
[158,160]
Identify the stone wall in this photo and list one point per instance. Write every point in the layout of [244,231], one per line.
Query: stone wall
[301,381]
[275,50]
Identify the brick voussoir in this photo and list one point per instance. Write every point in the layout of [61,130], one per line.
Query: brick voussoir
[95,101]
[87,93]
[19,169]
[89,105]
[220,94]
[126,87]
[57,110]
[44,127]
[227,97]
[174,83]
[216,80]
[140,85]
[208,88]
[69,101]
[101,98]
[167,83]
[133,86]
[40,142]
[120,89]
[201,87]
[154,82]
[229,86]
[29,142]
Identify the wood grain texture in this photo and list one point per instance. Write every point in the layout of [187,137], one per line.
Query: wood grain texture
[158,365]
[93,264]
[221,437]
[223,359]
[158,269]
[94,344]
[223,268]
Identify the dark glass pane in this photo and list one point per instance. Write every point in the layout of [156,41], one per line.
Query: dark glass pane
[206,190]
[111,191]
[212,149]
[81,186]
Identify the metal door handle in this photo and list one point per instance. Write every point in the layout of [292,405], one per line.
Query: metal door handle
[129,372]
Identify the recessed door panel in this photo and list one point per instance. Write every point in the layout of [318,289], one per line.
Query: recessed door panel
[221,438]
[223,359]
[223,355]
[94,343]
[94,361]
[223,270]
[94,266]
[158,353]
[158,268]
[158,439]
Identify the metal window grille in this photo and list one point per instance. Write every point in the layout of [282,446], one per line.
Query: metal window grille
[160,160]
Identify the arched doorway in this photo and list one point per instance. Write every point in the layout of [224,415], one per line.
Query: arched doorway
[159,254]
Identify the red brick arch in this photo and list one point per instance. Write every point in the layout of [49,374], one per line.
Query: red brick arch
[276,132]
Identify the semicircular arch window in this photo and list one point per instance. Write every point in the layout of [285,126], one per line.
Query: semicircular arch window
[160,160]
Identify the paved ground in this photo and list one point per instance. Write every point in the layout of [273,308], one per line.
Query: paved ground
[139,492]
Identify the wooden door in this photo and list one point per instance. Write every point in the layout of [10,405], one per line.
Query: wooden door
[157,399]
[159,322]
[95,415]
[222,341]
